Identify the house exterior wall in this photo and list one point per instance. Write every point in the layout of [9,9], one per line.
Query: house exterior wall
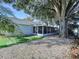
[25,29]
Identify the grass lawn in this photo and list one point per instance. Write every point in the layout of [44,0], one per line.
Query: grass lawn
[7,41]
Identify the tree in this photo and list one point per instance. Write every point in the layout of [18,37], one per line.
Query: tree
[61,10]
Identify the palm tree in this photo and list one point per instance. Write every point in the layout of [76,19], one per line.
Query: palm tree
[60,10]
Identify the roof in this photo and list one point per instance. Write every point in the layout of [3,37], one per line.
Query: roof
[28,22]
[20,21]
[38,22]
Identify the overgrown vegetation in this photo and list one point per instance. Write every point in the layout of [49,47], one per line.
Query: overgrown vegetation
[6,25]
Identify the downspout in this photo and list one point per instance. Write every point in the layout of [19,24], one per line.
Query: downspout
[42,30]
[37,29]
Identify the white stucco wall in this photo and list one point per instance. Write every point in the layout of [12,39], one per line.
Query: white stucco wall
[25,29]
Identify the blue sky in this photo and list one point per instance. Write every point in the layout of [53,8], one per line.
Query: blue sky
[18,14]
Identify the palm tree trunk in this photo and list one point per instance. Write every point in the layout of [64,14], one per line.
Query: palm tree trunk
[62,28]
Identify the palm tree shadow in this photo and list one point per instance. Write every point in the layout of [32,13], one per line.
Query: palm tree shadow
[58,42]
[50,42]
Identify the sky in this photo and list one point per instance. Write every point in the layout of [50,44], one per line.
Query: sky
[18,14]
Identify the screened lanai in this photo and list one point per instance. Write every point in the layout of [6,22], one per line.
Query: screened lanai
[40,28]
[43,30]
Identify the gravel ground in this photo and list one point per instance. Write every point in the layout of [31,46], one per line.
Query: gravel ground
[48,48]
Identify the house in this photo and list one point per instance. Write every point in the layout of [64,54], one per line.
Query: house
[32,27]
